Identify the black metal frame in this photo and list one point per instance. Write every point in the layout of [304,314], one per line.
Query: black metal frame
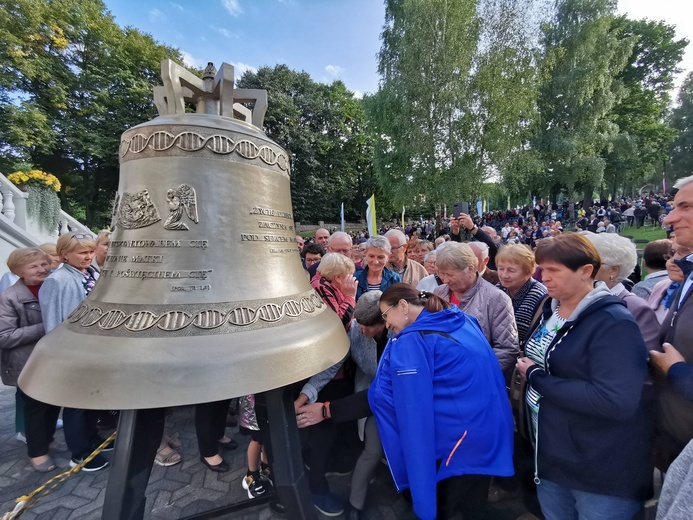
[138,439]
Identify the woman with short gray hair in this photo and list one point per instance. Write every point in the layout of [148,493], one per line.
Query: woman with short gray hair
[375,276]
[457,268]
[619,257]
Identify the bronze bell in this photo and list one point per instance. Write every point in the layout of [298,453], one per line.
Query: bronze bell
[202,296]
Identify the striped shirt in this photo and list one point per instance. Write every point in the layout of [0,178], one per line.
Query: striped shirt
[535,350]
[525,304]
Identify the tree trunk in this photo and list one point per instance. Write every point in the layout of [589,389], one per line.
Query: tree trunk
[587,197]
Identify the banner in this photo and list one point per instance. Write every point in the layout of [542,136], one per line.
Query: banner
[341,214]
[445,215]
[664,182]
[402,217]
[479,207]
[370,216]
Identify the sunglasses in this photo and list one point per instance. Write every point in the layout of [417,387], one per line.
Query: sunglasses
[79,236]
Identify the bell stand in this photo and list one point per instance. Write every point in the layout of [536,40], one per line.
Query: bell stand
[139,436]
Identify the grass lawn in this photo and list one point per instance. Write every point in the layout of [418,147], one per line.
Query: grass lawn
[648,233]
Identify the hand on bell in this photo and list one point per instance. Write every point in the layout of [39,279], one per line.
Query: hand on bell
[309,414]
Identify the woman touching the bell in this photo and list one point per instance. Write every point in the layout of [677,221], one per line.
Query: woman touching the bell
[440,403]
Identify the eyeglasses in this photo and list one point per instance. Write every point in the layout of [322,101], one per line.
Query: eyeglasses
[384,314]
[343,250]
[398,247]
[79,236]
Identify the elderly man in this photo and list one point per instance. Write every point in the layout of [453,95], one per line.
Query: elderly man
[675,363]
[300,242]
[322,236]
[410,271]
[338,242]
[481,252]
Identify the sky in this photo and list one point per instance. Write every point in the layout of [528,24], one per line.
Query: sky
[328,39]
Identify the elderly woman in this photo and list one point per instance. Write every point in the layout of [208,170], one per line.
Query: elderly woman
[51,251]
[516,266]
[20,329]
[60,294]
[438,398]
[457,268]
[432,281]
[423,247]
[585,368]
[619,256]
[440,405]
[375,276]
[336,285]
[367,337]
[663,292]
[359,252]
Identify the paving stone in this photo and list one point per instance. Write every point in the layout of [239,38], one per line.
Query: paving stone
[172,493]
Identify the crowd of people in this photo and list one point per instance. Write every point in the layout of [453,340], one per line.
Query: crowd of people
[491,358]
[542,368]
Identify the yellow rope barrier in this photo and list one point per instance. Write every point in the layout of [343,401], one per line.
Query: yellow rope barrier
[24,502]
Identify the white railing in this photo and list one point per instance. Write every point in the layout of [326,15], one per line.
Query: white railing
[16,221]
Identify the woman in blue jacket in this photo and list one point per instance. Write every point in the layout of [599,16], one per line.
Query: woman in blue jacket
[441,405]
[585,367]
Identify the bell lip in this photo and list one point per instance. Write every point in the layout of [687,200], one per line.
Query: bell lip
[114,373]
[205,121]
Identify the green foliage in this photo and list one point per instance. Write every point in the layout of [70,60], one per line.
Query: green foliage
[457,96]
[682,121]
[43,205]
[583,54]
[642,145]
[323,127]
[80,81]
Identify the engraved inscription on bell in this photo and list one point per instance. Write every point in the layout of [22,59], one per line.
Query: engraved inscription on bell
[136,211]
[181,198]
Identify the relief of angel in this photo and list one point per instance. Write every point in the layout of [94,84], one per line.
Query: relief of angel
[181,198]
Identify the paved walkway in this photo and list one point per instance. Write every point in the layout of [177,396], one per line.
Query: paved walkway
[175,492]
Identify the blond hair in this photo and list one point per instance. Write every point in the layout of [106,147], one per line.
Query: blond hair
[518,254]
[71,241]
[20,257]
[104,237]
[335,264]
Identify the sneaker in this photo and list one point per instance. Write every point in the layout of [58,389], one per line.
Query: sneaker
[266,482]
[20,437]
[94,464]
[267,474]
[98,441]
[254,487]
[327,504]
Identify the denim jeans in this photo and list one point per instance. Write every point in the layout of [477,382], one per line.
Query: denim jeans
[562,503]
